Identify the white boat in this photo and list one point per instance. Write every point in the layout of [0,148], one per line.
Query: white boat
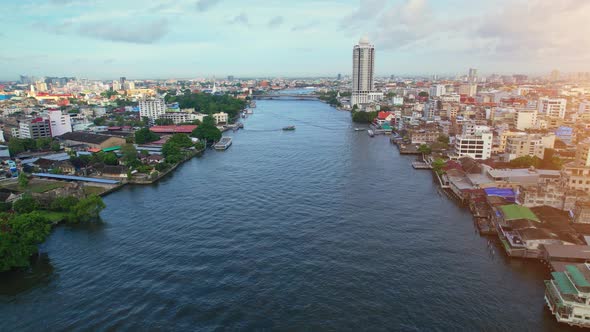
[223,144]
[371,133]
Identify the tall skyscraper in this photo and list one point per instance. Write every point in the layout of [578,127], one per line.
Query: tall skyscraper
[472,75]
[363,70]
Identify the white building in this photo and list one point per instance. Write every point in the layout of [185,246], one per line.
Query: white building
[116,85]
[363,70]
[437,90]
[528,145]
[474,142]
[181,117]
[59,123]
[584,107]
[220,117]
[552,107]
[152,108]
[525,119]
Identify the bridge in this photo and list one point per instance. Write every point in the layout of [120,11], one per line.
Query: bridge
[285,96]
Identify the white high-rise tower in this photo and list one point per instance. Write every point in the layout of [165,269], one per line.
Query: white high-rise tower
[363,71]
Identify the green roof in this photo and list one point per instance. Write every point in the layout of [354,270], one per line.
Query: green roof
[564,284]
[513,212]
[577,276]
[113,148]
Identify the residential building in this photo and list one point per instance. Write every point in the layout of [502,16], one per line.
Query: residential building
[152,108]
[582,212]
[181,117]
[583,153]
[469,90]
[437,90]
[475,142]
[220,117]
[552,107]
[363,70]
[34,128]
[60,123]
[528,145]
[525,119]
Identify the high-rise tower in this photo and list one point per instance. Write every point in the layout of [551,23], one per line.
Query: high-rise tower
[363,71]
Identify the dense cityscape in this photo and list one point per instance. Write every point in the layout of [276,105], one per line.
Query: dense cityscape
[510,150]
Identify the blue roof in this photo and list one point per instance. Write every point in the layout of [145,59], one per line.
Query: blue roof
[75,178]
[502,192]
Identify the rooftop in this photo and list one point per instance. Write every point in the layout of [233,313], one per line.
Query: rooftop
[513,211]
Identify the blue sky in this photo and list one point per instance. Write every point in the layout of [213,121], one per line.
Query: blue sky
[105,39]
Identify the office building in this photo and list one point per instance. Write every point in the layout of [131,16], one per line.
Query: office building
[469,90]
[472,75]
[437,90]
[34,128]
[525,119]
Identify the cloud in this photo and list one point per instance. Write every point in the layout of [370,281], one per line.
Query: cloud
[306,26]
[205,5]
[276,22]
[368,9]
[240,19]
[137,33]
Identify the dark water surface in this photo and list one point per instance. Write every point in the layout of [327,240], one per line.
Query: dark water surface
[322,228]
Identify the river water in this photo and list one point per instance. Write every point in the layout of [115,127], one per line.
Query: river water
[322,228]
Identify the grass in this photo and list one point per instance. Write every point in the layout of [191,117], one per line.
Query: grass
[44,187]
[92,190]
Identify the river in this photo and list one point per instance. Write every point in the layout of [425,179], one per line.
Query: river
[321,228]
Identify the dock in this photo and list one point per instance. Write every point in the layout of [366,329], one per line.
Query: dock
[420,165]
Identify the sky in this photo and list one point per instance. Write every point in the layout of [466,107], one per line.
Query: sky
[141,39]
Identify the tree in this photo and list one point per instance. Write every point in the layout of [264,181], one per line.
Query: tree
[207,131]
[86,209]
[182,140]
[64,204]
[26,204]
[172,152]
[144,153]
[164,122]
[525,162]
[110,158]
[43,143]
[129,153]
[55,146]
[19,237]
[424,149]
[437,165]
[443,139]
[144,135]
[23,180]
[15,146]
[100,121]
[363,117]
[423,94]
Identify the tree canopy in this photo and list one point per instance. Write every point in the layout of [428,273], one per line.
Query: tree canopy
[207,131]
[144,135]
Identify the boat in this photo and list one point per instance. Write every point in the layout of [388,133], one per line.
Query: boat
[358,129]
[223,144]
[289,128]
[371,133]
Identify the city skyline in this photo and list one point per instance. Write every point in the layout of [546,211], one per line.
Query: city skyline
[223,37]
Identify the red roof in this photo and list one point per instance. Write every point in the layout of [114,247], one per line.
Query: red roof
[383,115]
[185,129]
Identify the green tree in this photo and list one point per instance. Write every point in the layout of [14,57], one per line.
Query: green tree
[437,165]
[424,149]
[207,131]
[525,162]
[443,139]
[23,180]
[64,204]
[100,121]
[110,158]
[129,153]
[144,135]
[164,122]
[55,146]
[182,140]
[363,117]
[87,209]
[19,237]
[25,204]
[15,146]
[423,94]
[43,144]
[172,152]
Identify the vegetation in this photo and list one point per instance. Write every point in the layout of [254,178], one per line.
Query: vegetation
[23,180]
[21,232]
[207,103]
[424,149]
[207,131]
[363,117]
[550,161]
[19,145]
[331,98]
[164,122]
[144,135]
[437,165]
[130,155]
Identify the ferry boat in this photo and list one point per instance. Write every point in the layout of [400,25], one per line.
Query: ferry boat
[289,128]
[223,144]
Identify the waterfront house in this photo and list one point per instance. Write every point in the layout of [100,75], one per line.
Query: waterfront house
[567,295]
